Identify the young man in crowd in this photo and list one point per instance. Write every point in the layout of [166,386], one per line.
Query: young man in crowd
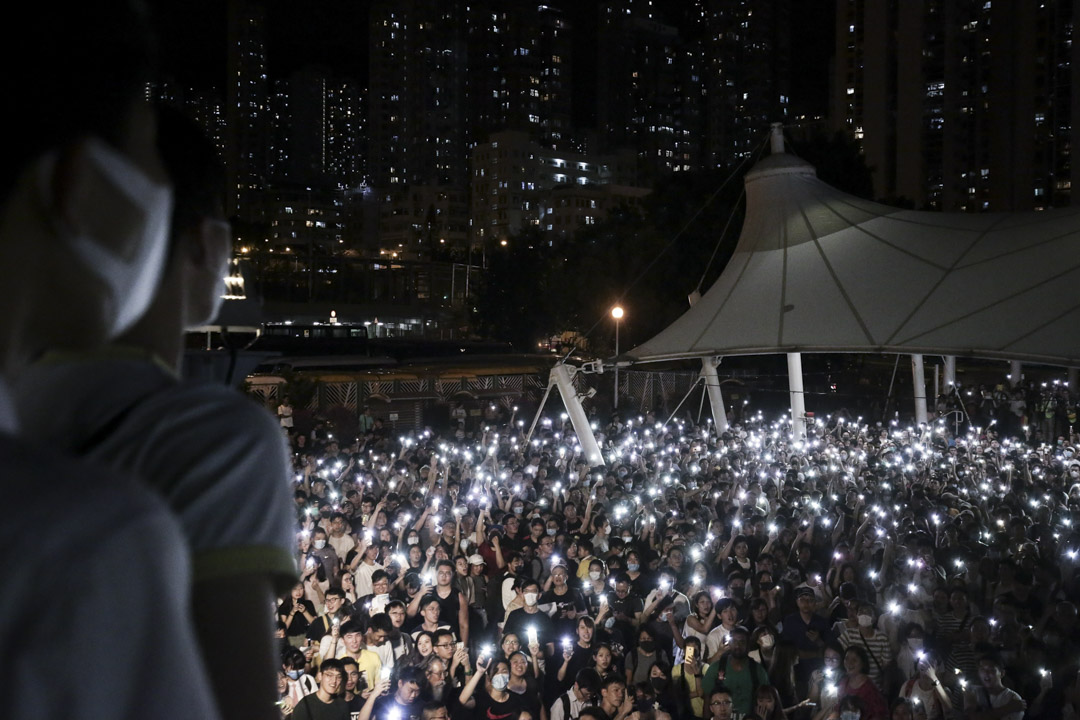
[327,703]
[98,604]
[219,461]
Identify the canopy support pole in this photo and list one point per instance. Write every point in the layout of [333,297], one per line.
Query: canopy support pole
[1015,373]
[716,397]
[562,377]
[798,399]
[1071,379]
[937,388]
[950,373]
[918,377]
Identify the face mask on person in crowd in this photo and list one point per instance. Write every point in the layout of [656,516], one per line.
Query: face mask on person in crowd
[849,715]
[518,509]
[866,620]
[609,623]
[659,684]
[530,598]
[633,567]
[551,532]
[766,642]
[594,574]
[413,541]
[627,538]
[647,645]
[320,544]
[500,681]
[464,544]
[294,674]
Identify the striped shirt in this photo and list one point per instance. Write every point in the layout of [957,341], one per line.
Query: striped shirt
[876,646]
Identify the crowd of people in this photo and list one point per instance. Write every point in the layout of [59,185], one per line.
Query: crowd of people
[864,572]
[868,572]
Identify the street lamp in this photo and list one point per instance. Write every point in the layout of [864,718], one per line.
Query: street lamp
[617,313]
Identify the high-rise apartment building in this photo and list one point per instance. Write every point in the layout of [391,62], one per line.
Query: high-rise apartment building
[521,71]
[518,182]
[649,80]
[747,73]
[246,110]
[417,105]
[960,105]
[316,127]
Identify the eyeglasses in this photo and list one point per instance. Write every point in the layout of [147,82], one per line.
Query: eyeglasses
[721,703]
[450,644]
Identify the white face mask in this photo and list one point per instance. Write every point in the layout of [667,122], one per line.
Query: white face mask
[866,620]
[133,280]
[594,574]
[766,642]
[530,598]
[464,544]
[320,544]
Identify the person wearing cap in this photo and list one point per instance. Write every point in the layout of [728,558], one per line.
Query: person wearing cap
[808,632]
[475,586]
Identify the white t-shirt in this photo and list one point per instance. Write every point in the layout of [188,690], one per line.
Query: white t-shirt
[219,459]
[342,545]
[363,577]
[95,596]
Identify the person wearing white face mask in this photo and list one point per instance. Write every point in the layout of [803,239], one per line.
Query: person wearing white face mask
[874,642]
[910,650]
[220,461]
[528,620]
[83,221]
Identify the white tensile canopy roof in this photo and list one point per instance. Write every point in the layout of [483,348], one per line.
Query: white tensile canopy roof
[817,270]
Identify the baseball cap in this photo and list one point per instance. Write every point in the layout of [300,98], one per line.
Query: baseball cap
[477,559]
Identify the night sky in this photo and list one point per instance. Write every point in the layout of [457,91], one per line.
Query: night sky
[333,33]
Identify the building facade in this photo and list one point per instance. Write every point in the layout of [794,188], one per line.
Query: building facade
[960,105]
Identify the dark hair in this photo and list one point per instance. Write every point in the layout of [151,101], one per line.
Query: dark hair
[381,621]
[292,658]
[588,679]
[612,679]
[410,675]
[439,634]
[332,664]
[336,591]
[863,657]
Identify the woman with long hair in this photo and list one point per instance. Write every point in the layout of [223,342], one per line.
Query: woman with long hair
[767,704]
